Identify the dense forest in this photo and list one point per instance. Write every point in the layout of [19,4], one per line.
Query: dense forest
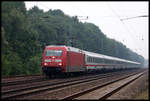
[25,33]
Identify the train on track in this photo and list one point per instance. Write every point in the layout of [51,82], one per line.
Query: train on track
[58,59]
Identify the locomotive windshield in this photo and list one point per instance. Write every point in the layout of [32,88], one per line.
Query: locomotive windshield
[53,53]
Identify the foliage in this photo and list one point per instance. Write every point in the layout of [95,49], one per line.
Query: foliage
[26,33]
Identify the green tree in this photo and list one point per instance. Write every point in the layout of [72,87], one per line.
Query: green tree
[25,33]
[34,65]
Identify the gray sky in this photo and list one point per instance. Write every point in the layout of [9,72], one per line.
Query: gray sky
[132,32]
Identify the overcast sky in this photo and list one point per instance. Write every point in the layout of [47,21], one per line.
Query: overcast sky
[106,15]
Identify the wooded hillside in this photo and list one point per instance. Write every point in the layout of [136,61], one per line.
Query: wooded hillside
[26,33]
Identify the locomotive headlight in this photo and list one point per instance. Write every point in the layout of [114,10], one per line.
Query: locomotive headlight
[60,64]
[58,60]
[45,64]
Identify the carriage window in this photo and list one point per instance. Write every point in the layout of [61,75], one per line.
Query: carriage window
[94,60]
[53,53]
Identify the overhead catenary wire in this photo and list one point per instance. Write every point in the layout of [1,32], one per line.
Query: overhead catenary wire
[71,38]
[123,24]
[139,45]
[82,17]
[134,17]
[86,17]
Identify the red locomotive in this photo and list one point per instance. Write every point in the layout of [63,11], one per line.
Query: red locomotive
[58,59]
[66,59]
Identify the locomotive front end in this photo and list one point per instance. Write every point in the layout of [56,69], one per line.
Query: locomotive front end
[53,61]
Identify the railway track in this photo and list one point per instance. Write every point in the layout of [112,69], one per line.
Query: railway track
[102,92]
[20,79]
[17,76]
[44,86]
[33,90]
